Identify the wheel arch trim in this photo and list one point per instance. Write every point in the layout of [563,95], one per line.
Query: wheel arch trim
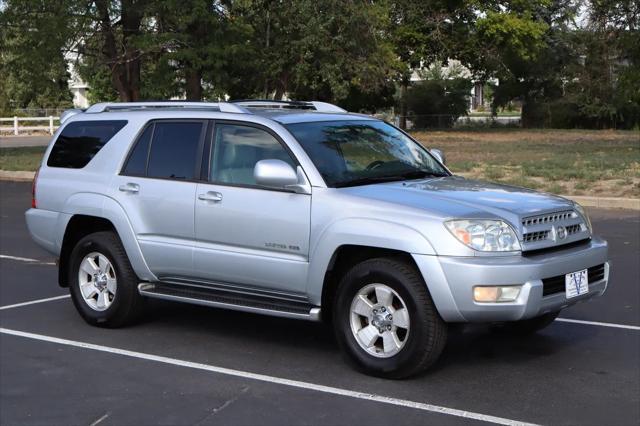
[368,233]
[103,207]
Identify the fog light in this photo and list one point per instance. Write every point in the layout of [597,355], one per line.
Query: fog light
[492,294]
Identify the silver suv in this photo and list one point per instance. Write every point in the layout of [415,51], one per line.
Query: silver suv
[298,209]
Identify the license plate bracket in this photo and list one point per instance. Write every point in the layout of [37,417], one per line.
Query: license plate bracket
[576,283]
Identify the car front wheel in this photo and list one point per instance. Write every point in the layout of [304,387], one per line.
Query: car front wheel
[385,320]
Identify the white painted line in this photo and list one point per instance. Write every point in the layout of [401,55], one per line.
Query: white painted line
[25,259]
[33,302]
[600,324]
[100,419]
[271,379]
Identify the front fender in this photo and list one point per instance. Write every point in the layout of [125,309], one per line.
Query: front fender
[360,232]
[98,205]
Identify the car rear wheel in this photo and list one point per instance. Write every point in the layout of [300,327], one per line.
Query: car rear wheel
[385,320]
[104,286]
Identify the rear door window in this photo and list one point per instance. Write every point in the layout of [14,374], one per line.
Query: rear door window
[80,141]
[176,150]
[137,162]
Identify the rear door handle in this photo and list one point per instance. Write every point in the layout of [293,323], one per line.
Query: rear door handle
[130,187]
[210,196]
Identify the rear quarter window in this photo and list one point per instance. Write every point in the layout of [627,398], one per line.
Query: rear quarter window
[80,141]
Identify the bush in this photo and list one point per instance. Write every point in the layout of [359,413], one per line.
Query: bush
[438,103]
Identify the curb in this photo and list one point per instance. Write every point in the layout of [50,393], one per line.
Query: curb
[17,176]
[606,202]
[600,202]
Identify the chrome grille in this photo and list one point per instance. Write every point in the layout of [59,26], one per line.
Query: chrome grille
[553,229]
[549,218]
[572,229]
[535,236]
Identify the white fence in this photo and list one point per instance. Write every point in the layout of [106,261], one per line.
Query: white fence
[16,127]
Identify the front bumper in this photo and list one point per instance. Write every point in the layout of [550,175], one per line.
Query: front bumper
[451,280]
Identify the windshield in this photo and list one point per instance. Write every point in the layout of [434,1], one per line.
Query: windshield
[359,152]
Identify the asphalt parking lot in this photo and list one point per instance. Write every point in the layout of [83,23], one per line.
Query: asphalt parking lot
[192,365]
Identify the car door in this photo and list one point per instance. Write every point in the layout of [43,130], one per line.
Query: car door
[248,235]
[157,187]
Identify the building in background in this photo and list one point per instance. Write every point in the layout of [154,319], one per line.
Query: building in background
[77,86]
[454,69]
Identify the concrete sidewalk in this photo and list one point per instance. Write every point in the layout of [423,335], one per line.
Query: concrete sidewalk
[22,141]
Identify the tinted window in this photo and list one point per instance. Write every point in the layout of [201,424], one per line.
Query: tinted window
[80,141]
[237,149]
[174,150]
[137,162]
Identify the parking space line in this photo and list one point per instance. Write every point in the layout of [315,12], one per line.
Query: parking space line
[25,259]
[272,379]
[601,324]
[33,302]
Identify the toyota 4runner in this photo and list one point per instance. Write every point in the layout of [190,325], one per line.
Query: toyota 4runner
[298,209]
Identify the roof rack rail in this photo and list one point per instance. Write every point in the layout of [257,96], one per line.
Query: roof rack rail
[128,106]
[67,114]
[273,104]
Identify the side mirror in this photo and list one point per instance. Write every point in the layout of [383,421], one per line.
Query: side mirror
[278,174]
[439,155]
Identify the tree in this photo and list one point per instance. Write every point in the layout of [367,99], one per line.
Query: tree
[318,49]
[424,33]
[523,45]
[203,39]
[605,91]
[440,98]
[33,71]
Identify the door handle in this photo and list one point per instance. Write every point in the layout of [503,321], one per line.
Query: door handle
[130,187]
[211,196]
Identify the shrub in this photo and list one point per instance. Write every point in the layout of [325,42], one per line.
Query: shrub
[438,103]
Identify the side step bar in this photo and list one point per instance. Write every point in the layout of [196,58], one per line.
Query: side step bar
[228,300]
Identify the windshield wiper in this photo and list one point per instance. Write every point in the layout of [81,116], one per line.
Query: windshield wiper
[417,174]
[414,174]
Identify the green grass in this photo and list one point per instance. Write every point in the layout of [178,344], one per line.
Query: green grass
[556,188]
[27,158]
[464,166]
[493,172]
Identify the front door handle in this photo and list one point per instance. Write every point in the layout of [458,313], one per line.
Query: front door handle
[130,187]
[211,196]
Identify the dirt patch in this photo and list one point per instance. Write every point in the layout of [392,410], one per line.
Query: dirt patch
[577,162]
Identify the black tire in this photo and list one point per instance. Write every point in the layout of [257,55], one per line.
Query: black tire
[127,303]
[427,331]
[528,326]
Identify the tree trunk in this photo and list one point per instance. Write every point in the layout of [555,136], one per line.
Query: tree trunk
[528,115]
[266,48]
[124,61]
[281,86]
[404,85]
[193,84]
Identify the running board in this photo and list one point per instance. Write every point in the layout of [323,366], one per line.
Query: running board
[228,300]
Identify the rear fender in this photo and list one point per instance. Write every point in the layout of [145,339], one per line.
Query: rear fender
[97,205]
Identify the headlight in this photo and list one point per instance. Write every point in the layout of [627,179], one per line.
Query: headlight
[584,215]
[484,235]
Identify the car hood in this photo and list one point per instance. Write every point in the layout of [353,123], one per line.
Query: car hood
[454,196]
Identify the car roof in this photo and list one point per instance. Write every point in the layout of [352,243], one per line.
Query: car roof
[257,111]
[290,116]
